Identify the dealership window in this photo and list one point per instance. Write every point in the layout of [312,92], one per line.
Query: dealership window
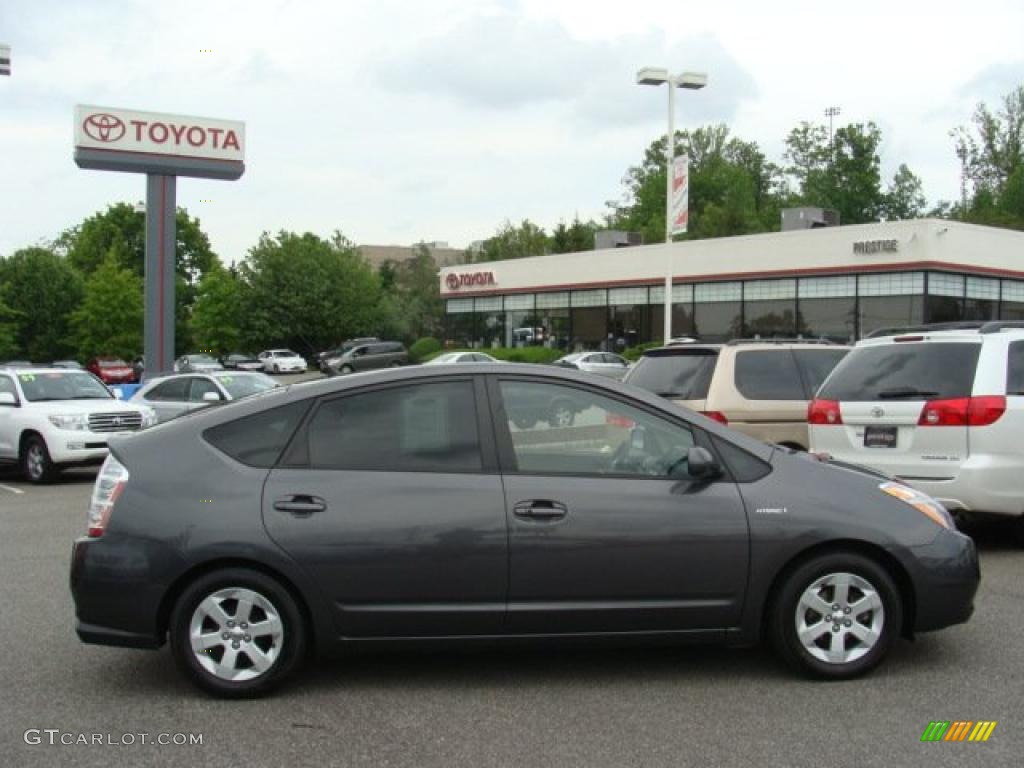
[490,321]
[945,300]
[682,311]
[890,300]
[589,320]
[628,316]
[1011,307]
[460,323]
[769,308]
[717,311]
[553,316]
[982,302]
[425,427]
[521,326]
[827,308]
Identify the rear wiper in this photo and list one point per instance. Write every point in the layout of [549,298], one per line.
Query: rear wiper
[896,392]
[669,394]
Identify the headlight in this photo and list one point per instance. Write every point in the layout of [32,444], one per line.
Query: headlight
[76,421]
[148,417]
[333,361]
[922,502]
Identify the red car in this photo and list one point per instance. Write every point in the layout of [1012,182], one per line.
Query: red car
[111,370]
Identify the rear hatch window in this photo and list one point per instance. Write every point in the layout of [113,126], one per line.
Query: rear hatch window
[904,371]
[675,374]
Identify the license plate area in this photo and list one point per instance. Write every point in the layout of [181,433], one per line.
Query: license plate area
[880,437]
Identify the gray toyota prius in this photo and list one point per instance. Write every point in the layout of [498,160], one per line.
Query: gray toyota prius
[422,505]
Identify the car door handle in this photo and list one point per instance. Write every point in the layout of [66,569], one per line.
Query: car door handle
[300,505]
[540,510]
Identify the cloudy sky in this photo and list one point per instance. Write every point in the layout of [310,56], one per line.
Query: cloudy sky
[398,121]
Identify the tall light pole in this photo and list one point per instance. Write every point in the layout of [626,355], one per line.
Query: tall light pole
[830,113]
[691,81]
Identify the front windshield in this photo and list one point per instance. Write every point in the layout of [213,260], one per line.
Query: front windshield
[243,386]
[446,358]
[62,385]
[201,359]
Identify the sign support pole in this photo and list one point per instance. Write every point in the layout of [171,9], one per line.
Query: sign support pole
[161,241]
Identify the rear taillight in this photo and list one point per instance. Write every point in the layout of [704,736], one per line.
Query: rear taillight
[110,484]
[824,413]
[963,411]
[716,416]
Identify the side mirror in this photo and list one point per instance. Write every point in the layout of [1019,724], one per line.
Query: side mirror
[701,465]
[211,397]
[8,398]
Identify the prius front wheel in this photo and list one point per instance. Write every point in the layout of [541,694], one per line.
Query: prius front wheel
[836,616]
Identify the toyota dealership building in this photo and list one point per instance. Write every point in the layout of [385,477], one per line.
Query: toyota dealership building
[838,283]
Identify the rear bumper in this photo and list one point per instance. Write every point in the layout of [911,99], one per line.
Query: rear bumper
[946,580]
[117,601]
[982,484]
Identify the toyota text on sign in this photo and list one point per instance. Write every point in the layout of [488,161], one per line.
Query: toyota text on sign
[123,130]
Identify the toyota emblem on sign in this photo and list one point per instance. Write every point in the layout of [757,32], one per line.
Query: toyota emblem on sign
[452,280]
[103,127]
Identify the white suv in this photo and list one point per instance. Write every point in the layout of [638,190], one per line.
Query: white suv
[51,418]
[941,408]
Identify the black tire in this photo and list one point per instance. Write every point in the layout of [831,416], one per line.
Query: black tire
[277,368]
[290,649]
[784,616]
[346,369]
[36,463]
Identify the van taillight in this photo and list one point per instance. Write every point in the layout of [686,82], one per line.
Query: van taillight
[716,416]
[824,413]
[963,411]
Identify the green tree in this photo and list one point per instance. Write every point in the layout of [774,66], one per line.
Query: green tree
[41,289]
[217,314]
[576,237]
[109,320]
[734,190]
[307,293]
[8,331]
[121,230]
[905,197]
[513,242]
[418,291]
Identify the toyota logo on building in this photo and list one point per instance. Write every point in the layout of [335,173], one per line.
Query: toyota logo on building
[452,280]
[103,127]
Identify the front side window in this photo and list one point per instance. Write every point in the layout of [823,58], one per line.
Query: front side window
[556,429]
[199,389]
[419,428]
[7,385]
[173,391]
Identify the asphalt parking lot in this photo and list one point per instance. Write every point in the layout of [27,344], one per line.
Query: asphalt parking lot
[545,707]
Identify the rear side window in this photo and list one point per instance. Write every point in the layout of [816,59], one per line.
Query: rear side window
[681,376]
[768,374]
[1015,369]
[816,365]
[258,440]
[904,371]
[423,427]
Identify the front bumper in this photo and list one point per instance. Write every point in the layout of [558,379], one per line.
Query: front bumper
[946,577]
[70,446]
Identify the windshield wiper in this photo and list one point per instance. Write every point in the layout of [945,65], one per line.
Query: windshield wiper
[90,397]
[671,394]
[897,392]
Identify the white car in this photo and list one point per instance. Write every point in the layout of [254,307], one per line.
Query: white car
[171,396]
[281,361]
[600,363]
[451,358]
[939,408]
[52,418]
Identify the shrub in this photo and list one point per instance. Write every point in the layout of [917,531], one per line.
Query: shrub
[538,355]
[635,353]
[423,349]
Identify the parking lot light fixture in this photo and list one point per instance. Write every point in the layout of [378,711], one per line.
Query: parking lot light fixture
[691,81]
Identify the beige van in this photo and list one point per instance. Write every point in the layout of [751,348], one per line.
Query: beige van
[759,387]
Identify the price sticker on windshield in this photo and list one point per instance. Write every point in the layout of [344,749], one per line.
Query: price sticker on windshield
[27,377]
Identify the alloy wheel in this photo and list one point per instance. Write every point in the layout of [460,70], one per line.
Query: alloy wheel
[236,634]
[839,618]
